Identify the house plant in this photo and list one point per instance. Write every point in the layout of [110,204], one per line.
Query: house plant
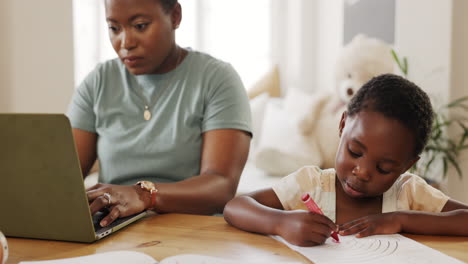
[442,150]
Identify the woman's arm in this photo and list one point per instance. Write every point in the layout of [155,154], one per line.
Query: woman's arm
[224,153]
[86,147]
[262,212]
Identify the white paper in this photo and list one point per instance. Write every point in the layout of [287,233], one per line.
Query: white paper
[201,259]
[380,249]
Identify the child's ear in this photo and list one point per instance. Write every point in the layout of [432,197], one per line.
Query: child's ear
[176,16]
[343,121]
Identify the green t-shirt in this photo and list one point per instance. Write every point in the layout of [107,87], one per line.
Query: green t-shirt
[201,94]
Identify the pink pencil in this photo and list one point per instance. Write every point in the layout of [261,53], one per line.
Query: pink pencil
[312,206]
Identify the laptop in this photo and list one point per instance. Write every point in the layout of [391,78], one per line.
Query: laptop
[42,193]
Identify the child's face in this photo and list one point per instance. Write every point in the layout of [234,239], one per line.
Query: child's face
[142,33]
[374,150]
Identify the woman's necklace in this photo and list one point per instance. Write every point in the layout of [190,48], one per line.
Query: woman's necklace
[146,111]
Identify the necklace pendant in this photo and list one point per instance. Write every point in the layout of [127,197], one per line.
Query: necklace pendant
[147,115]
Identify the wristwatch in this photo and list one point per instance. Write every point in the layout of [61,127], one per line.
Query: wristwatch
[150,187]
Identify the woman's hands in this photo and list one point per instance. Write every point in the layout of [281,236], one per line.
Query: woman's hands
[387,223]
[305,229]
[121,200]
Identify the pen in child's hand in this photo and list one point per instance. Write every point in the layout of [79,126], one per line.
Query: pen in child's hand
[312,206]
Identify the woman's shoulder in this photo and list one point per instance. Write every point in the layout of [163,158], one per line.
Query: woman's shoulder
[111,66]
[205,60]
[105,69]
[110,71]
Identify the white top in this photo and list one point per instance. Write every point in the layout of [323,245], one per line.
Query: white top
[409,192]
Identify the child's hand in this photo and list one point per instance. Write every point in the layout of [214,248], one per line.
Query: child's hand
[387,223]
[305,229]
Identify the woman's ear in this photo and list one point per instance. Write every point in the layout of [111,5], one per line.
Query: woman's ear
[176,16]
[342,122]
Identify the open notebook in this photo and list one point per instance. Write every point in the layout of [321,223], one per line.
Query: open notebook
[134,257]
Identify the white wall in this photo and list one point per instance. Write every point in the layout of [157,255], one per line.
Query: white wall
[294,43]
[37,55]
[5,47]
[423,34]
[330,41]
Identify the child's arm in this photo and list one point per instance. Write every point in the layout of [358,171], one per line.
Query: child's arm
[262,212]
[451,221]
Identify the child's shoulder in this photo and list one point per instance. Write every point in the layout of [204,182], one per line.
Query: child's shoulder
[408,178]
[315,175]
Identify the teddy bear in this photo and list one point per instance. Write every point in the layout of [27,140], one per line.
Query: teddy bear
[304,130]
[359,61]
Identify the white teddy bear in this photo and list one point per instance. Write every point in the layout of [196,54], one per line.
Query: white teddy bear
[360,60]
[311,136]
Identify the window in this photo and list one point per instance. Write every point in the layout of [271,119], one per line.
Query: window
[236,31]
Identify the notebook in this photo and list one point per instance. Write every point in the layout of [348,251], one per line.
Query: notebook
[124,257]
[42,191]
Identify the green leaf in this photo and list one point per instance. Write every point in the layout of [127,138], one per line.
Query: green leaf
[456,102]
[455,164]
[428,164]
[445,165]
[403,67]
[463,137]
[463,147]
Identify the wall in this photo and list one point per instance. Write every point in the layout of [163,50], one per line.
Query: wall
[294,43]
[37,55]
[330,41]
[5,48]
[423,34]
[373,18]
[459,87]
[433,35]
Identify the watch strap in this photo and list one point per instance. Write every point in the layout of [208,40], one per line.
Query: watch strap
[151,188]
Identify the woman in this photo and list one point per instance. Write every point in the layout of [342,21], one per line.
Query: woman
[170,126]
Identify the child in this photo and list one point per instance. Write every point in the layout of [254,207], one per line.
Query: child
[384,129]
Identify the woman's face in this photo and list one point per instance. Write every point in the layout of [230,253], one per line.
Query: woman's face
[374,150]
[142,33]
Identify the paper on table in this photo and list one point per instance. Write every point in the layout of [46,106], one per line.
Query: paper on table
[126,257]
[381,248]
[200,259]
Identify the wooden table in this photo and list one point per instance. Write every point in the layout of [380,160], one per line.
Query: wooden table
[172,234]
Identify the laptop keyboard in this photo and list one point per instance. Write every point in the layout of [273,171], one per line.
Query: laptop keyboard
[97,219]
